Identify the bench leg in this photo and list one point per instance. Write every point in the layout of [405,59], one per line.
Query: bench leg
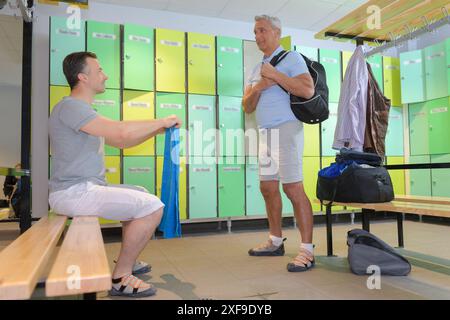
[328,218]
[366,219]
[400,229]
[90,296]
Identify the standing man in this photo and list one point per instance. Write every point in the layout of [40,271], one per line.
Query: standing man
[77,183]
[280,140]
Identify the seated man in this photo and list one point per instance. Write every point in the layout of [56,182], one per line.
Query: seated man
[77,183]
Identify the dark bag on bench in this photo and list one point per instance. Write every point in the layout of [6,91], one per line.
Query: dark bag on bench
[355,177]
[365,250]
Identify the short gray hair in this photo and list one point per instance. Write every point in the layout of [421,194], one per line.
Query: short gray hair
[274,21]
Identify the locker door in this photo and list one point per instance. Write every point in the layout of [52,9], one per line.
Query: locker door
[229,67]
[394,135]
[311,167]
[139,58]
[331,60]
[202,125]
[286,43]
[202,188]
[139,105]
[64,39]
[312,139]
[346,55]
[397,176]
[166,105]
[440,183]
[391,76]
[231,186]
[376,63]
[112,167]
[140,171]
[420,179]
[231,124]
[412,76]
[418,129]
[255,205]
[311,53]
[439,125]
[328,127]
[182,191]
[447,54]
[252,57]
[435,71]
[104,40]
[201,63]
[57,93]
[170,61]
[107,104]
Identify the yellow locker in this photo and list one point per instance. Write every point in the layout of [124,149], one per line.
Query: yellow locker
[392,85]
[56,95]
[311,140]
[139,105]
[397,176]
[311,167]
[112,166]
[181,184]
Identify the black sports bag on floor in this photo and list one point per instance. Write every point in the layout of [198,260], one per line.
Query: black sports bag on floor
[314,110]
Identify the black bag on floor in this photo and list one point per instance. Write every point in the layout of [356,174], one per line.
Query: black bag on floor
[365,249]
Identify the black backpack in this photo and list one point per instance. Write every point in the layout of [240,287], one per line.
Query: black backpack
[314,110]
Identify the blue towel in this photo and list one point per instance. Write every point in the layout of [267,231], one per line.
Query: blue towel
[170,222]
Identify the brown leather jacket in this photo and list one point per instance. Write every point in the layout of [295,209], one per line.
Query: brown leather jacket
[377,117]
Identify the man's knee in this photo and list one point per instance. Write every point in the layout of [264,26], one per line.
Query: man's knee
[294,191]
[269,189]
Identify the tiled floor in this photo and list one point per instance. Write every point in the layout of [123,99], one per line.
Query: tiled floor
[218,267]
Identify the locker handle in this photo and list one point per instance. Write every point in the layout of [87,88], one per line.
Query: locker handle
[248,186]
[221,187]
[128,57]
[159,60]
[191,63]
[221,65]
[222,125]
[192,187]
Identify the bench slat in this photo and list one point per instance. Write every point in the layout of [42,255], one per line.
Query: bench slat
[82,253]
[423,199]
[24,260]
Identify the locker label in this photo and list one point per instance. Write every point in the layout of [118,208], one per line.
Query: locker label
[171,106]
[108,103]
[111,170]
[231,109]
[202,169]
[408,62]
[68,32]
[201,46]
[439,110]
[171,43]
[420,114]
[392,68]
[137,104]
[104,36]
[229,49]
[139,170]
[231,169]
[374,65]
[436,55]
[207,108]
[394,117]
[139,39]
[329,60]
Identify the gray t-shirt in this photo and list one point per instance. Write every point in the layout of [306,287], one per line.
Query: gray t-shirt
[76,156]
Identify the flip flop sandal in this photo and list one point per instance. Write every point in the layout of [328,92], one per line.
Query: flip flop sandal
[140,267]
[130,286]
[293,267]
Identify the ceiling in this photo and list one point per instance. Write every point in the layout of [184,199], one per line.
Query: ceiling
[313,15]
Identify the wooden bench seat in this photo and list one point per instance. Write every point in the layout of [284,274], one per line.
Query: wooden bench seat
[423,199]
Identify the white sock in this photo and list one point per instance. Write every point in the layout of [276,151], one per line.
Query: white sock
[276,241]
[308,246]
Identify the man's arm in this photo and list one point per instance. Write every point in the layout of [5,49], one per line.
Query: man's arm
[126,134]
[301,85]
[253,93]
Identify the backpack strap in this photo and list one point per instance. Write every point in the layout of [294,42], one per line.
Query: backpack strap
[277,59]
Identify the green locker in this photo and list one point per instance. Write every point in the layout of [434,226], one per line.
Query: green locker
[64,39]
[328,128]
[440,183]
[107,104]
[202,188]
[439,125]
[231,126]
[166,105]
[312,139]
[255,205]
[435,71]
[202,125]
[139,58]
[420,179]
[331,60]
[229,67]
[418,129]
[104,40]
[391,77]
[140,171]
[201,64]
[231,186]
[251,135]
[376,63]
[311,53]
[394,134]
[447,54]
[170,61]
[412,73]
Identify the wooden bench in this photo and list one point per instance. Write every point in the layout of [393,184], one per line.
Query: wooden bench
[430,206]
[81,266]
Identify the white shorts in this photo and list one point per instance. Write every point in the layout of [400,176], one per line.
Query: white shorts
[280,154]
[112,202]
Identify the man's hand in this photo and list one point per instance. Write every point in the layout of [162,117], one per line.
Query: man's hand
[171,121]
[264,83]
[268,71]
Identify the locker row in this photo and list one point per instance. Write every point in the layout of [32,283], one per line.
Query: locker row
[426,182]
